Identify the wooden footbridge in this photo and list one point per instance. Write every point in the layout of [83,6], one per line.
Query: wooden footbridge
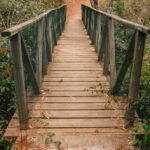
[66,75]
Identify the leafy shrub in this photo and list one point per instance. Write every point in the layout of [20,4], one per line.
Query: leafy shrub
[16,11]
[7,102]
[142,140]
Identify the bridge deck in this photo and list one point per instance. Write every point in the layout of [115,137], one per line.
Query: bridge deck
[74,99]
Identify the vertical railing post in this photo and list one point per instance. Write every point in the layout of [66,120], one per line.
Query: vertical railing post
[135,76]
[95,28]
[111,47]
[103,35]
[39,51]
[97,32]
[106,49]
[19,80]
[44,50]
[86,17]
[82,13]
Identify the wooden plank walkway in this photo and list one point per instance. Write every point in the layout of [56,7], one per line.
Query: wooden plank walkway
[74,99]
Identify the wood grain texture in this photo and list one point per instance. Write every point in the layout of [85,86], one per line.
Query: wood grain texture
[74,93]
[19,80]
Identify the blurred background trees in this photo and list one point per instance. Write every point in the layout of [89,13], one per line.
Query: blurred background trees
[135,10]
[16,11]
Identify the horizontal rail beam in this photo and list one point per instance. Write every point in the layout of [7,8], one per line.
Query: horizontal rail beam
[121,20]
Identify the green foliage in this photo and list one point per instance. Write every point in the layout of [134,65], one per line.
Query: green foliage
[5,145]
[143,105]
[117,7]
[7,102]
[16,11]
[123,37]
[142,140]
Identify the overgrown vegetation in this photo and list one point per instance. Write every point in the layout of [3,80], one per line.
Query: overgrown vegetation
[7,102]
[16,11]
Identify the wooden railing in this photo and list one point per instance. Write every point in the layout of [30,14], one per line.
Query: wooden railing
[101,28]
[32,43]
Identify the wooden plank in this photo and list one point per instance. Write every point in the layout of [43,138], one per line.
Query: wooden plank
[90,47]
[74,69]
[73,75]
[63,42]
[71,123]
[75,57]
[76,106]
[71,65]
[76,88]
[75,64]
[101,78]
[63,131]
[76,114]
[74,72]
[76,39]
[101,99]
[74,61]
[16,49]
[71,48]
[74,83]
[75,54]
[73,93]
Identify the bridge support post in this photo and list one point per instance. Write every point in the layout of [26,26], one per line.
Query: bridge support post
[135,77]
[19,80]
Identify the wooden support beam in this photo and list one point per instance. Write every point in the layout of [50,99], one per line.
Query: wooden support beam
[103,39]
[44,50]
[124,67]
[16,50]
[98,34]
[106,50]
[39,52]
[29,68]
[135,77]
[111,47]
